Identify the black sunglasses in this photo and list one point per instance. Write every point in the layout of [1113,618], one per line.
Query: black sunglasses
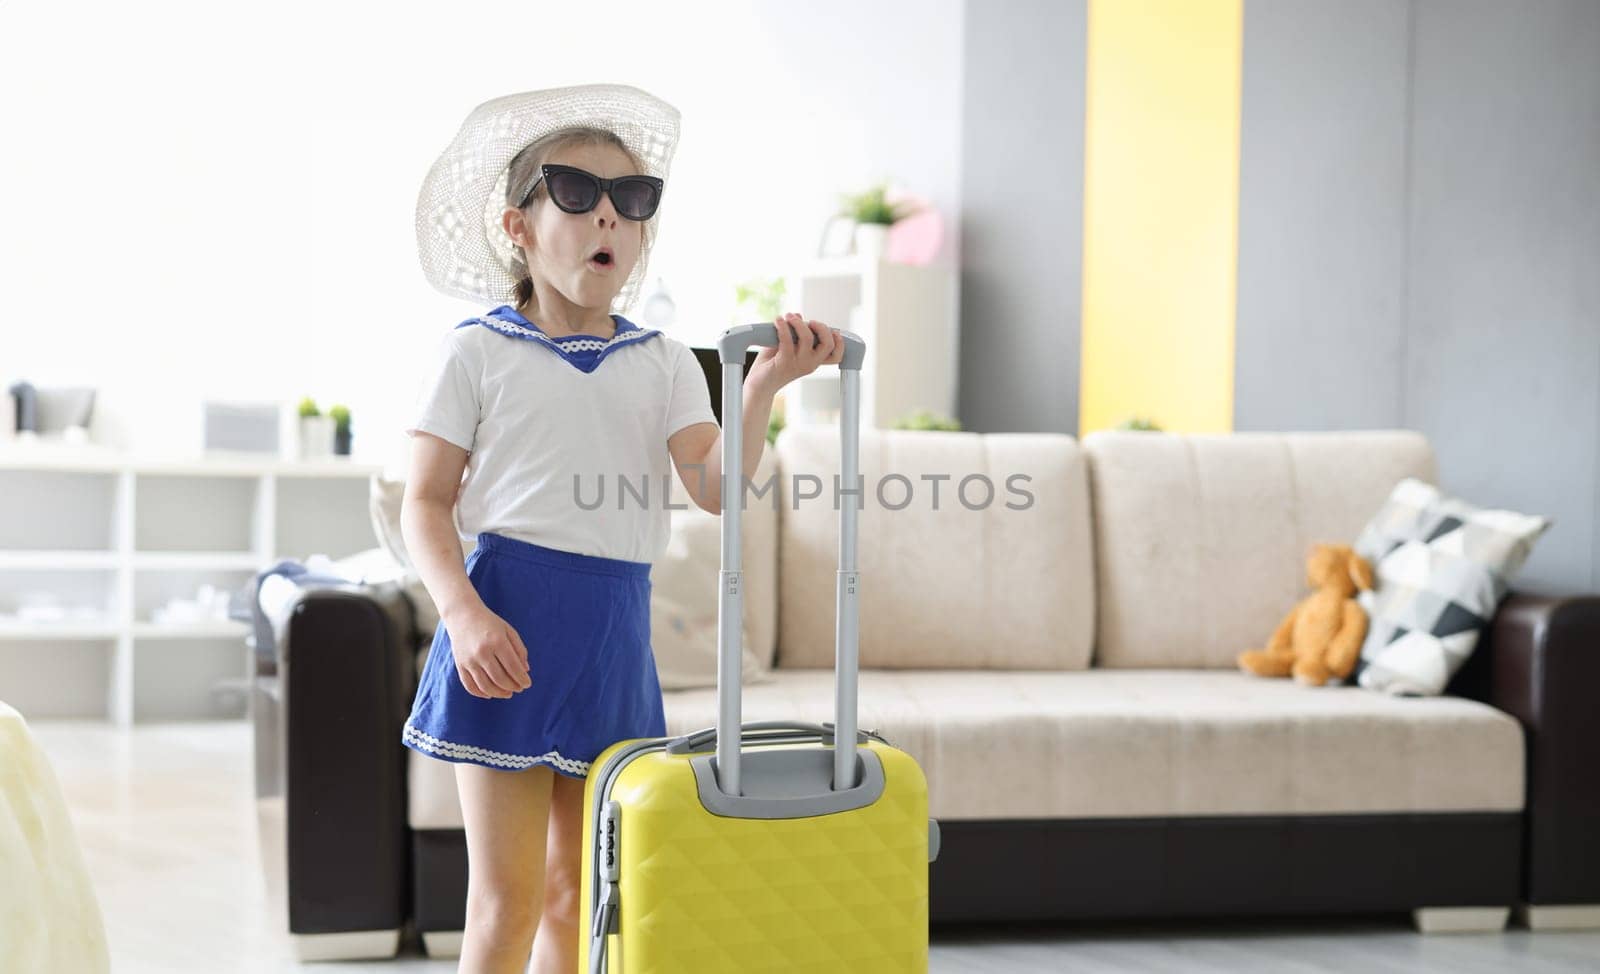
[577,191]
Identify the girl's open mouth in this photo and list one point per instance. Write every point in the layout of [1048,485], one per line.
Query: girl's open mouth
[601,261]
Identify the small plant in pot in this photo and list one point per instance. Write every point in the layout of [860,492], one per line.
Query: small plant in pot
[316,431]
[923,419]
[341,429]
[1140,424]
[873,214]
[758,296]
[775,420]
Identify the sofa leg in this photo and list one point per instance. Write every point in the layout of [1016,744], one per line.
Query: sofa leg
[1584,916]
[345,945]
[1461,919]
[442,943]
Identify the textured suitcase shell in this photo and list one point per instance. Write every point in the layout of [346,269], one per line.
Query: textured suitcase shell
[840,893]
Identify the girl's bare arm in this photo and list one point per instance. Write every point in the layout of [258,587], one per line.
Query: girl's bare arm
[427,523]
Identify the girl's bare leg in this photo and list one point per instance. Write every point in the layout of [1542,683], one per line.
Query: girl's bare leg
[506,815]
[555,949]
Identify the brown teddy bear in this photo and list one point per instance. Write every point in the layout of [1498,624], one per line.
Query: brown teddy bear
[1322,635]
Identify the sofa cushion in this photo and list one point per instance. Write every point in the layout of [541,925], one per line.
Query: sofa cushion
[1201,538]
[994,583]
[1159,742]
[1128,743]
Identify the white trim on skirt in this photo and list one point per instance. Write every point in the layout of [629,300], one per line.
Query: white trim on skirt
[480,755]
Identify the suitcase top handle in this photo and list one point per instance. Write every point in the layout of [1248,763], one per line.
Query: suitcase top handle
[768,730]
[731,346]
[731,349]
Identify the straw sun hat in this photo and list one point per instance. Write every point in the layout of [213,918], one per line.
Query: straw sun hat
[463,247]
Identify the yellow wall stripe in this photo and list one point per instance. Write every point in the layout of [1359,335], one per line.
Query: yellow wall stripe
[1161,213]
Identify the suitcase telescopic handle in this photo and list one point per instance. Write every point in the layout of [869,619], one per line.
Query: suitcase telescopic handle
[731,348]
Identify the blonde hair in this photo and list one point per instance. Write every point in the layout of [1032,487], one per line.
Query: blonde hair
[525,168]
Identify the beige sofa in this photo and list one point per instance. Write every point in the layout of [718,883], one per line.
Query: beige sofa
[1060,661]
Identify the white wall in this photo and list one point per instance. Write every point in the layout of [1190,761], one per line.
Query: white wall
[204,200]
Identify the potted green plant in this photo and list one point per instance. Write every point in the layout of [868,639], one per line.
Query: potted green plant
[1140,423]
[341,429]
[316,431]
[873,215]
[922,419]
[761,297]
[775,421]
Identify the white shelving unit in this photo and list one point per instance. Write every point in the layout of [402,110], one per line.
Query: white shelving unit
[907,315]
[111,536]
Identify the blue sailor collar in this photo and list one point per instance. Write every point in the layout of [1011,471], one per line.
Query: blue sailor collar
[583,352]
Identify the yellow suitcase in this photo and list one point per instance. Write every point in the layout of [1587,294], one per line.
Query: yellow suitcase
[761,846]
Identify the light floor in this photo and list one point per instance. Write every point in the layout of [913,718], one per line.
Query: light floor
[166,817]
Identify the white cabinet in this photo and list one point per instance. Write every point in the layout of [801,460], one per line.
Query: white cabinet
[93,543]
[907,316]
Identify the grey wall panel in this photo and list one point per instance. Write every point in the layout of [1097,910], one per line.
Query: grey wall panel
[1419,237]
[1420,244]
[1319,334]
[1503,348]
[1022,215]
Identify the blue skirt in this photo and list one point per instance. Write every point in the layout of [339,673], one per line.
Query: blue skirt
[586,623]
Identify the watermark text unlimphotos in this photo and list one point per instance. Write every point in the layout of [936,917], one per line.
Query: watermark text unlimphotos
[893,491]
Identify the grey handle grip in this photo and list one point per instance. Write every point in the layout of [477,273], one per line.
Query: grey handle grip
[703,740]
[731,346]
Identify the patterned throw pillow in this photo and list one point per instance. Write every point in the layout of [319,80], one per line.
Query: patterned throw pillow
[1442,568]
[683,606]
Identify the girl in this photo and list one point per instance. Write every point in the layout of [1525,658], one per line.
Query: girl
[546,200]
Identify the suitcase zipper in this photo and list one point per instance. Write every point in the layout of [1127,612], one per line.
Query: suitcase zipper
[607,831]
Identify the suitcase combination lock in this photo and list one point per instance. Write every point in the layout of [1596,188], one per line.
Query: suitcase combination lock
[608,841]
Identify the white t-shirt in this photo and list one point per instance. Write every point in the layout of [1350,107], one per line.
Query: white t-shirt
[531,420]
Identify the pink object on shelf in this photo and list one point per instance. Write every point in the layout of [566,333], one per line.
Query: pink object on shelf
[915,239]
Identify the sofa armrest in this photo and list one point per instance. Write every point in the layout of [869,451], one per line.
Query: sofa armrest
[343,686]
[1542,666]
